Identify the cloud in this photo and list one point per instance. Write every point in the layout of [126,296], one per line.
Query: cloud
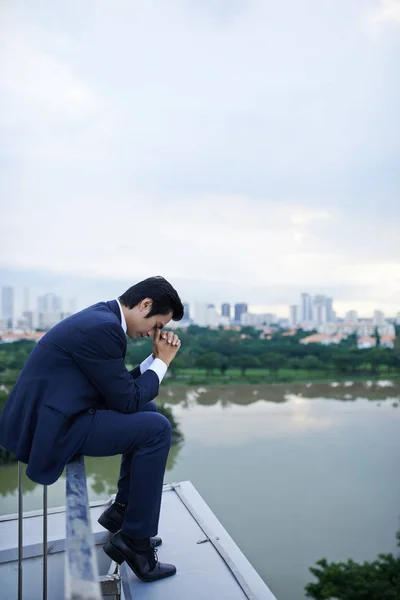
[249,148]
[386,13]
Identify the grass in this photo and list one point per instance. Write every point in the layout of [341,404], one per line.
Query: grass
[234,376]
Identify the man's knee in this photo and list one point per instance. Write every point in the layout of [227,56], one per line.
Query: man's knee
[149,407]
[161,426]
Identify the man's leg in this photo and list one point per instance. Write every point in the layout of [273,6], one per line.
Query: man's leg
[146,436]
[124,486]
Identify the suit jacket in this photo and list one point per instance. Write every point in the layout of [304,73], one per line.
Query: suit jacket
[76,368]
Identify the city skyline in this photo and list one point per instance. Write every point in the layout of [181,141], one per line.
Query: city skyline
[31,307]
[247,171]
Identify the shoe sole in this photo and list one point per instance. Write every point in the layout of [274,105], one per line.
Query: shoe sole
[115,555]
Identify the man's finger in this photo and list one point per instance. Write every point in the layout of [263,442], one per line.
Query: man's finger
[157,335]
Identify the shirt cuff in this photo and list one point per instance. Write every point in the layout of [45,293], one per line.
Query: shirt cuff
[159,367]
[146,364]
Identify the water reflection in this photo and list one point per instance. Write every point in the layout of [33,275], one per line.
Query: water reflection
[188,397]
[228,416]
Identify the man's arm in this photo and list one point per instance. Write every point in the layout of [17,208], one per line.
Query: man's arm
[100,357]
[150,363]
[142,368]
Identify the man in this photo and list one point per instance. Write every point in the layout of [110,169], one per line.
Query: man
[75,396]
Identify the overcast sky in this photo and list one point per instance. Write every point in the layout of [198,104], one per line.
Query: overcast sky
[244,149]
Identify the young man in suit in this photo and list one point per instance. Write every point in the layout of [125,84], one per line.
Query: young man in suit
[75,396]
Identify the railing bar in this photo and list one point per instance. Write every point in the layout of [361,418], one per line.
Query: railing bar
[45,542]
[20,537]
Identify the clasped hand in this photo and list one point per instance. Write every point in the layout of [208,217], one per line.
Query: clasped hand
[165,345]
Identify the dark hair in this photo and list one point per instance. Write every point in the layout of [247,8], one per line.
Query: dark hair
[165,297]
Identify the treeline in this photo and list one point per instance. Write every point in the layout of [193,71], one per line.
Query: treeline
[220,351]
[219,355]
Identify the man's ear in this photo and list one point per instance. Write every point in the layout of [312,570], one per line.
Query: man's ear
[146,305]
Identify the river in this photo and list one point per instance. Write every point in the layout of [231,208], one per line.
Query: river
[294,472]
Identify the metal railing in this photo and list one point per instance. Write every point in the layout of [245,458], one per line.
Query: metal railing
[82,581]
[21,537]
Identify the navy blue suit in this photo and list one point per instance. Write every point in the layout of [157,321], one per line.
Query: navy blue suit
[75,396]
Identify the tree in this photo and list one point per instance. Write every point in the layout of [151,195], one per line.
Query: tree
[177,364]
[208,361]
[311,363]
[224,365]
[376,580]
[3,360]
[244,362]
[377,357]
[273,361]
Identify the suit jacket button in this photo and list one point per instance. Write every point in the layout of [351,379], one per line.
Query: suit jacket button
[91,411]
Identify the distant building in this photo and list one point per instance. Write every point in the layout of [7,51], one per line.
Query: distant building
[319,310]
[387,340]
[28,317]
[186,311]
[351,316]
[294,315]
[322,338]
[378,319]
[47,320]
[239,310]
[205,314]
[330,313]
[306,308]
[365,342]
[49,303]
[226,310]
[258,319]
[26,298]
[7,305]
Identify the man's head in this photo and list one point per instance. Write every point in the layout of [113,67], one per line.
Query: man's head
[149,305]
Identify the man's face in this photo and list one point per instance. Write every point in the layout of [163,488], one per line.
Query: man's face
[140,326]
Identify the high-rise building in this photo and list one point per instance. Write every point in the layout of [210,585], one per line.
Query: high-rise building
[240,308]
[319,310]
[7,305]
[28,318]
[306,308]
[226,310]
[330,313]
[378,319]
[351,317]
[49,303]
[294,315]
[258,319]
[25,305]
[205,315]
[186,311]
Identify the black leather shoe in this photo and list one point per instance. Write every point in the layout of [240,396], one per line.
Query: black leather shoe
[143,563]
[113,517]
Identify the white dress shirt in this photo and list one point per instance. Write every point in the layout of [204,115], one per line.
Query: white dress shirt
[154,364]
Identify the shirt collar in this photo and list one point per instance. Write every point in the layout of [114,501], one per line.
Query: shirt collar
[123,322]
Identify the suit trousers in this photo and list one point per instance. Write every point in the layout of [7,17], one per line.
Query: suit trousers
[144,439]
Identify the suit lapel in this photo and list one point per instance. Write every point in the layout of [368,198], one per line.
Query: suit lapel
[113,306]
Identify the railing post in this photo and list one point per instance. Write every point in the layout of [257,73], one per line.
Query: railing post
[45,542]
[81,575]
[20,536]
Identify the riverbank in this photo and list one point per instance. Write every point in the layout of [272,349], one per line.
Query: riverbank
[259,376]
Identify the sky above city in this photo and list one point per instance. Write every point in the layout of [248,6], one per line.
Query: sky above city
[247,150]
